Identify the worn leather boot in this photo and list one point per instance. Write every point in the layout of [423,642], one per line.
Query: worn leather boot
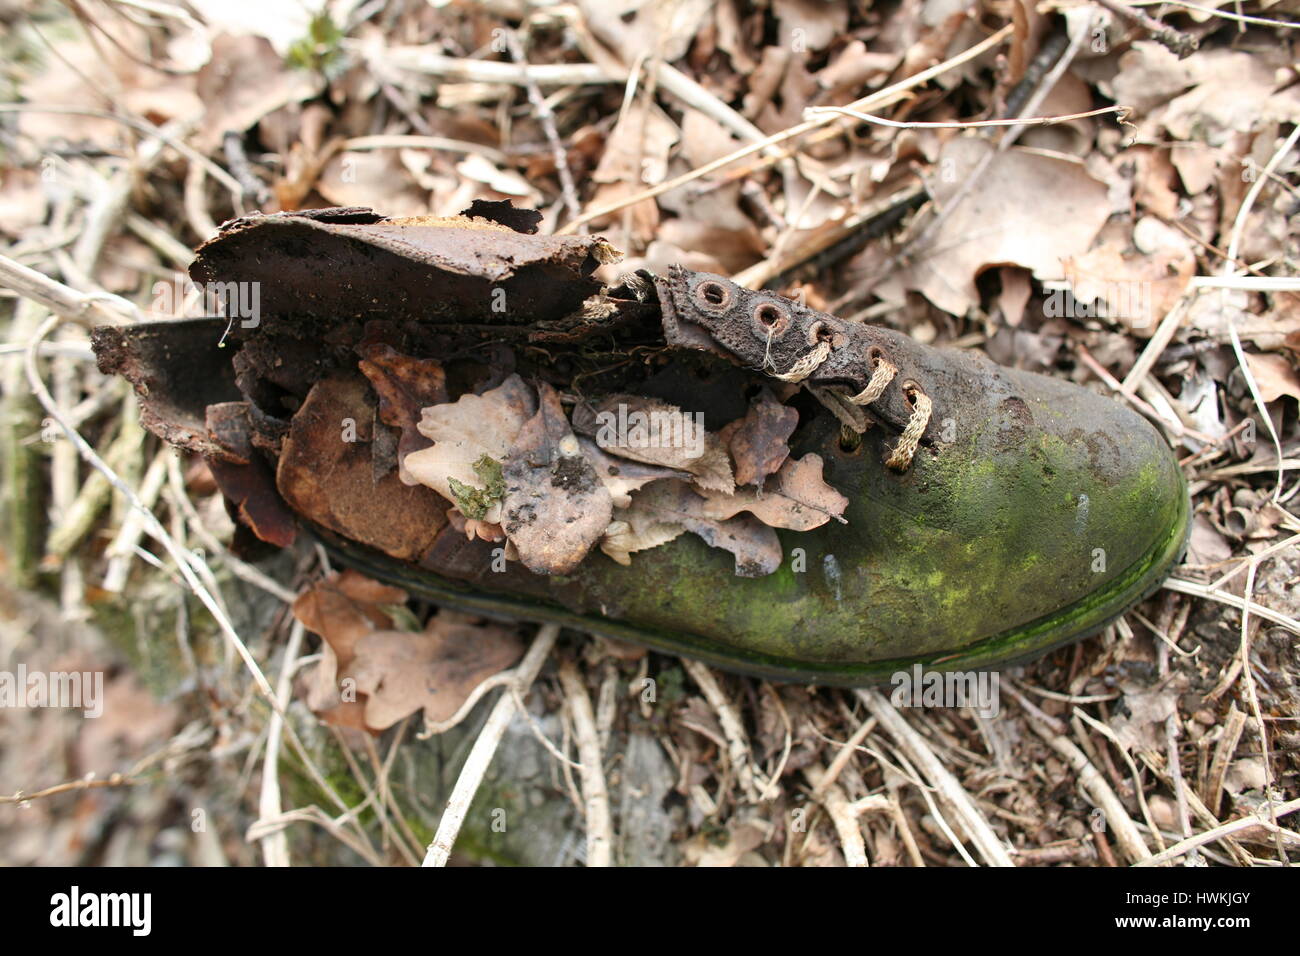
[992,514]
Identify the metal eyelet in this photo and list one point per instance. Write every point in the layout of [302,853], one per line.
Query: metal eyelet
[770,320]
[713,295]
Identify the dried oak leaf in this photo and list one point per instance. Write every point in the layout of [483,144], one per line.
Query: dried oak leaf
[342,608]
[634,530]
[674,503]
[436,670]
[1138,289]
[1026,209]
[326,475]
[657,433]
[556,506]
[1275,375]
[405,386]
[622,476]
[463,432]
[798,498]
[758,441]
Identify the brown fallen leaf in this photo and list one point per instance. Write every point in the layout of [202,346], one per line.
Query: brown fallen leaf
[636,156]
[342,608]
[405,385]
[245,81]
[755,545]
[466,430]
[1027,209]
[622,476]
[1138,289]
[657,433]
[556,506]
[758,442]
[1275,375]
[796,498]
[435,670]
[326,474]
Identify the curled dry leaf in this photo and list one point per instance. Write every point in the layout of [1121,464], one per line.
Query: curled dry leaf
[674,503]
[636,529]
[798,498]
[654,432]
[556,506]
[622,476]
[474,529]
[464,432]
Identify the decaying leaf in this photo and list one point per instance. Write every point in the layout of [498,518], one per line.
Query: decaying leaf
[622,476]
[636,529]
[371,675]
[657,433]
[754,544]
[405,386]
[556,506]
[464,431]
[797,498]
[325,473]
[758,441]
[342,608]
[436,669]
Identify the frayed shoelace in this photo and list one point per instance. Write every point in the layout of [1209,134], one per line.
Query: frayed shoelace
[882,374]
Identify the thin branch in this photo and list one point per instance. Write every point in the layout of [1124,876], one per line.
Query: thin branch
[485,747]
[1123,112]
[591,770]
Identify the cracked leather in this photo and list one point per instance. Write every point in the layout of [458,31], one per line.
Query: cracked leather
[769,333]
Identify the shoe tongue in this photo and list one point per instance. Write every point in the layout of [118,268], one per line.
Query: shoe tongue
[327,265]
